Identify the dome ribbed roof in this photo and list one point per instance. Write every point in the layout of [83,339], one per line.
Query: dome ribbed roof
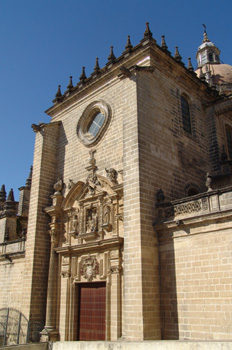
[221,73]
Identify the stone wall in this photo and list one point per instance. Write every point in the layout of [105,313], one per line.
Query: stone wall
[195,267]
[11,291]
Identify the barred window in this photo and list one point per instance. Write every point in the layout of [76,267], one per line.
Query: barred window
[229,141]
[185,115]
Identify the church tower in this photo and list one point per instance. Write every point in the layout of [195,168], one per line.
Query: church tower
[211,69]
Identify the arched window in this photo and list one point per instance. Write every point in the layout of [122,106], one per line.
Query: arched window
[229,141]
[210,57]
[192,190]
[185,115]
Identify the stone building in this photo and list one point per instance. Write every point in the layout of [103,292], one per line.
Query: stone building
[129,232]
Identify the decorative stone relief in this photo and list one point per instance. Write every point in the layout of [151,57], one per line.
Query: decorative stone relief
[95,211]
[115,269]
[70,184]
[89,267]
[189,207]
[205,204]
[65,270]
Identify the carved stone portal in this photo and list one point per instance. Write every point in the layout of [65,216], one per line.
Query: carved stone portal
[93,212]
[89,267]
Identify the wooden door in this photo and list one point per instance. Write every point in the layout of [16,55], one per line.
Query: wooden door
[92,311]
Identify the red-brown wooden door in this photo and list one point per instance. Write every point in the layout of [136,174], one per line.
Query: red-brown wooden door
[92,311]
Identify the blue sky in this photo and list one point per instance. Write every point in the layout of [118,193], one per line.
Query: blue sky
[43,42]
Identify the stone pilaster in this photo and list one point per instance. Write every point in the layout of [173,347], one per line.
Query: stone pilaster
[50,331]
[38,243]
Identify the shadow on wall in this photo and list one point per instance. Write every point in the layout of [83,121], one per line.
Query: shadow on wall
[168,290]
[169,311]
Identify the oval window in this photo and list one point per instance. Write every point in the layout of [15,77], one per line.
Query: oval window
[93,123]
[96,124]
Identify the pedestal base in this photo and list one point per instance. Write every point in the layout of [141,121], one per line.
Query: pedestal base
[49,334]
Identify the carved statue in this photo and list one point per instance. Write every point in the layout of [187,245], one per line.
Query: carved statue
[92,221]
[111,174]
[209,181]
[74,224]
[106,215]
[93,178]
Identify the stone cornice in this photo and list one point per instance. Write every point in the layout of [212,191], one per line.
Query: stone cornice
[90,247]
[40,127]
[123,67]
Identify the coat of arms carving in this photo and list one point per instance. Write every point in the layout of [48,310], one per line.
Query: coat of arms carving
[89,268]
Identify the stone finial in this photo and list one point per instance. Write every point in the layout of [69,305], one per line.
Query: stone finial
[97,67]
[128,46]
[147,34]
[28,182]
[83,75]
[205,39]
[177,55]
[111,57]
[58,187]
[10,197]
[190,67]
[58,94]
[10,204]
[3,194]
[70,85]
[163,43]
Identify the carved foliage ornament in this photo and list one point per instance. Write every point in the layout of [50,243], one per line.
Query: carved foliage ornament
[89,267]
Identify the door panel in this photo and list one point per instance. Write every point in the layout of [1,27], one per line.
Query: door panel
[92,311]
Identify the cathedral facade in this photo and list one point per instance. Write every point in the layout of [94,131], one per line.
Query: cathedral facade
[124,227]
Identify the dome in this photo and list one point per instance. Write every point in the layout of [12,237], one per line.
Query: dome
[210,67]
[221,73]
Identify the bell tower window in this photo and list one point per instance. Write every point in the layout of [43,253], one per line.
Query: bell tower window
[210,56]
